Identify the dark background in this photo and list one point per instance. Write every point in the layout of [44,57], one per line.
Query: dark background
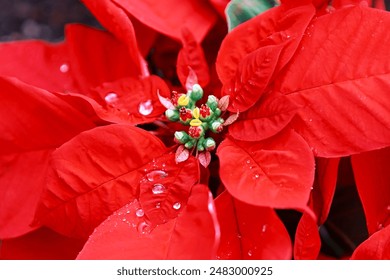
[40,19]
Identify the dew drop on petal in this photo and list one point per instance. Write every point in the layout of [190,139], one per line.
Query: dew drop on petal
[156,175]
[256,176]
[139,213]
[145,108]
[144,228]
[250,253]
[264,228]
[111,98]
[176,205]
[248,161]
[158,189]
[64,68]
[158,205]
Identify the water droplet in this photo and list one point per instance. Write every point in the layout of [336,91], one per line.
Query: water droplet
[124,219]
[176,206]
[128,211]
[158,205]
[111,98]
[144,228]
[139,213]
[64,68]
[264,228]
[156,175]
[158,189]
[330,9]
[239,235]
[250,253]
[380,226]
[248,161]
[145,108]
[256,176]
[310,120]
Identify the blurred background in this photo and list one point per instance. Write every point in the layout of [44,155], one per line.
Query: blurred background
[40,19]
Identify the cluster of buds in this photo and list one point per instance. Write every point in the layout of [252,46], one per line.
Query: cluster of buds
[182,108]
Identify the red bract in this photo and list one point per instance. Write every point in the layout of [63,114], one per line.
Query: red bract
[251,171]
[83,187]
[354,76]
[128,234]
[250,232]
[170,16]
[34,122]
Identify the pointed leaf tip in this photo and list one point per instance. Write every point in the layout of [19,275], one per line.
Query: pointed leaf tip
[223,103]
[182,154]
[231,119]
[166,102]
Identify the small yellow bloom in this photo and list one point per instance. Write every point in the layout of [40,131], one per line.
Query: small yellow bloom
[195,122]
[183,100]
[196,113]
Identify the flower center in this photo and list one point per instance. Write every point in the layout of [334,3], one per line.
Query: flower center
[182,108]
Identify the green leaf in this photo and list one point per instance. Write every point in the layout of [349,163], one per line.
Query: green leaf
[239,11]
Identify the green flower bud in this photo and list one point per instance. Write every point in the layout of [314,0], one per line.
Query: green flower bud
[209,144]
[181,137]
[190,144]
[172,115]
[212,102]
[196,93]
[216,126]
[200,144]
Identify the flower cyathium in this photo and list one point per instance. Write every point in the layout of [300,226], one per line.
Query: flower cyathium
[207,117]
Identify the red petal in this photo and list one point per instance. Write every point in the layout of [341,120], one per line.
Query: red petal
[161,188]
[170,16]
[42,244]
[33,122]
[124,235]
[277,172]
[253,74]
[307,239]
[264,120]
[372,177]
[276,29]
[97,57]
[346,104]
[133,99]
[48,68]
[220,6]
[93,175]
[115,19]
[191,56]
[250,232]
[376,247]
[307,243]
